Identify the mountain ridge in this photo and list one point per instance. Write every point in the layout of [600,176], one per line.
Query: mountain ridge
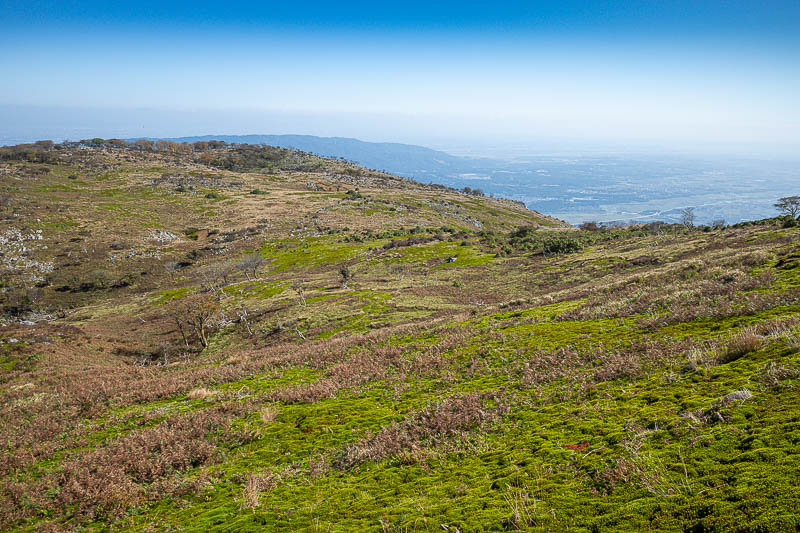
[400,158]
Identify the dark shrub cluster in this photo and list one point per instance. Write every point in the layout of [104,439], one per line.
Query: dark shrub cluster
[247,157]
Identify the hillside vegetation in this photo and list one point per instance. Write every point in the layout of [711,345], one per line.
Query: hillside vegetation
[246,338]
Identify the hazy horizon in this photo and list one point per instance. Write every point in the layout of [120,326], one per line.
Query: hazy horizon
[32,123]
[685,76]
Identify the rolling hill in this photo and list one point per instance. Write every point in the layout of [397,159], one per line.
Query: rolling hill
[405,159]
[254,338]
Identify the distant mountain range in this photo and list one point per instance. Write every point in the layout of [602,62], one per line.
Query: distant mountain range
[404,159]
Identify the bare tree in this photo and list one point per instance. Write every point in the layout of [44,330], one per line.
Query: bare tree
[297,286]
[6,201]
[242,312]
[687,217]
[718,223]
[34,295]
[226,269]
[789,205]
[214,277]
[194,316]
[170,268]
[251,264]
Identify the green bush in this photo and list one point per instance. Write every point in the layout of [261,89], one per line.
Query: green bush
[563,246]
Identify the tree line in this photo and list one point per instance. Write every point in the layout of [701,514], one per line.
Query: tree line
[46,151]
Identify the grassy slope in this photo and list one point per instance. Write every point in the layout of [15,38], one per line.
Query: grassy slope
[586,391]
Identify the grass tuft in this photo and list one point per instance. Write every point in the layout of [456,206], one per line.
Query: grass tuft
[201,393]
[740,344]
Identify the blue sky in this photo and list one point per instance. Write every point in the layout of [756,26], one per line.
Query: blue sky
[671,71]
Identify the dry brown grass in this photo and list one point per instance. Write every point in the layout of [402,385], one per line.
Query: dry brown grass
[447,420]
[699,357]
[785,332]
[75,384]
[792,341]
[642,469]
[522,507]
[143,465]
[685,292]
[774,374]
[581,369]
[356,364]
[201,393]
[268,413]
[257,484]
[740,344]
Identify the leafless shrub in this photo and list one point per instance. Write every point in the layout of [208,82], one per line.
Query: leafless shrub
[687,217]
[170,267]
[346,275]
[591,225]
[215,277]
[6,201]
[297,286]
[243,315]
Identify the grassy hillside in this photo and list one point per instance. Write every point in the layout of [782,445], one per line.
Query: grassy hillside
[249,339]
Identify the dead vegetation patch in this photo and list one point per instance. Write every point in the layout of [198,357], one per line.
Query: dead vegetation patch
[437,424]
